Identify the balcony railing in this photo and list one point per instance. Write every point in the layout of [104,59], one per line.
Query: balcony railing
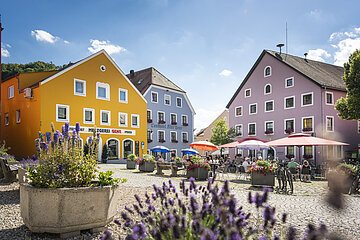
[174,141]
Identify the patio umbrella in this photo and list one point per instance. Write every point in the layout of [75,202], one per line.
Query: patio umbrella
[230,145]
[189,151]
[204,145]
[301,139]
[161,149]
[253,145]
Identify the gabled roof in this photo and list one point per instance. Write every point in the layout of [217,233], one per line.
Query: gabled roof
[143,79]
[323,74]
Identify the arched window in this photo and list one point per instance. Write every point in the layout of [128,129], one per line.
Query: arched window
[267,71]
[128,147]
[113,148]
[267,89]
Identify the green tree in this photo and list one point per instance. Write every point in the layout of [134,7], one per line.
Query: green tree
[349,106]
[220,133]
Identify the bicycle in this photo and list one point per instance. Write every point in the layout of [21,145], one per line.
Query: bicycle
[284,177]
[355,186]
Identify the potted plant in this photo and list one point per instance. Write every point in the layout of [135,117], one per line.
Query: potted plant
[290,156]
[25,165]
[178,162]
[198,168]
[147,163]
[340,178]
[262,173]
[289,130]
[307,156]
[268,132]
[131,161]
[62,195]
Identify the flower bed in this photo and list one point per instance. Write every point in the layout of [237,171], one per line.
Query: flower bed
[262,173]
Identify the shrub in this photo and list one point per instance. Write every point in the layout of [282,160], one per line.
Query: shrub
[131,157]
[105,153]
[146,158]
[347,169]
[106,178]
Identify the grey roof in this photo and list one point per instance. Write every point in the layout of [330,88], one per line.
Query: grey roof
[150,76]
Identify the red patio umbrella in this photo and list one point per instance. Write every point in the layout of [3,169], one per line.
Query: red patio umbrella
[204,145]
[230,145]
[301,139]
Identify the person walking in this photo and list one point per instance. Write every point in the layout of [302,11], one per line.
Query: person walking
[306,171]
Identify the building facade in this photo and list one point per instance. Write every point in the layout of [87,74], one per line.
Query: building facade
[285,94]
[93,92]
[170,115]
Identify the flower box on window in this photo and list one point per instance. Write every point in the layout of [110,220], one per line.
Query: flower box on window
[173,123]
[307,129]
[185,141]
[149,121]
[174,141]
[162,122]
[185,124]
[307,156]
[290,156]
[251,133]
[269,132]
[162,140]
[289,130]
[150,140]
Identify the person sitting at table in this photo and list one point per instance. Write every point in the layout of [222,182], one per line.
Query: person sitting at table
[246,164]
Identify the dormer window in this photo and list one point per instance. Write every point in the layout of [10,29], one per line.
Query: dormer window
[267,71]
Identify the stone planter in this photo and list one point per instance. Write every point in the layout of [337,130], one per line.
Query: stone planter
[147,167]
[67,211]
[198,173]
[259,179]
[130,164]
[338,182]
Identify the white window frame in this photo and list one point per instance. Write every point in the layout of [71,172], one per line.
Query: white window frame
[158,135]
[312,123]
[273,104]
[17,116]
[273,123]
[151,134]
[333,123]
[67,107]
[265,71]
[158,118]
[248,89]
[176,118]
[293,82]
[265,93]
[187,119]
[107,90]
[176,138]
[126,95]
[101,117]
[289,119]
[182,136]
[285,108]
[332,98]
[6,119]
[358,130]
[11,92]
[138,120]
[241,111]
[250,108]
[180,101]
[93,115]
[286,150]
[167,96]
[242,130]
[249,129]
[151,116]
[126,119]
[302,99]
[83,94]
[157,97]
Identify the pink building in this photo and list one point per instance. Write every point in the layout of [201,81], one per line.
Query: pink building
[283,94]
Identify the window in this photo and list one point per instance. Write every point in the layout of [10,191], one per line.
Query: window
[289,125]
[173,136]
[135,120]
[11,92]
[252,129]
[154,97]
[123,119]
[307,124]
[238,130]
[62,113]
[269,127]
[267,71]
[269,106]
[6,119]
[161,117]
[102,91]
[238,111]
[290,151]
[253,108]
[173,119]
[149,135]
[123,95]
[308,152]
[179,102]
[289,102]
[161,136]
[167,99]
[79,87]
[267,89]
[89,116]
[248,92]
[149,116]
[306,99]
[329,123]
[329,98]
[185,137]
[184,119]
[105,118]
[289,82]
[17,115]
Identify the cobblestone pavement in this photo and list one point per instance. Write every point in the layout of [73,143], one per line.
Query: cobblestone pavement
[305,205]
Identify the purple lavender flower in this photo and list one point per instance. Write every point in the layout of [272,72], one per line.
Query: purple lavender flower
[139,230]
[56,136]
[48,137]
[90,140]
[77,127]
[44,146]
[208,234]
[106,235]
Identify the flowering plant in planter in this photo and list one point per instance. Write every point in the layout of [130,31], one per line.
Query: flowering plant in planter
[269,132]
[131,157]
[263,167]
[198,162]
[307,156]
[290,156]
[146,158]
[289,130]
[346,169]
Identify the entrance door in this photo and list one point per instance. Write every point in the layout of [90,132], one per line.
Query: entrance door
[128,147]
[271,154]
[113,149]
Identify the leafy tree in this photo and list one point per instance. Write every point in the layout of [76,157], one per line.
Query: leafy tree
[349,106]
[220,133]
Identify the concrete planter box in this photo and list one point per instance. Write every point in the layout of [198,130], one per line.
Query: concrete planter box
[147,167]
[198,173]
[339,183]
[67,211]
[130,164]
[259,179]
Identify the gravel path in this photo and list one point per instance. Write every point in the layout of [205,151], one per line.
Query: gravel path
[306,205]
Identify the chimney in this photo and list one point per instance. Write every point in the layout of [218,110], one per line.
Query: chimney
[132,73]
[305,55]
[280,45]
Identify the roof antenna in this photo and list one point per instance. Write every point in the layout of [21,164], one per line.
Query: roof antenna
[280,45]
[286,40]
[305,55]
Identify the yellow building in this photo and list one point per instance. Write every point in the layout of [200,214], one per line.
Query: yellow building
[93,92]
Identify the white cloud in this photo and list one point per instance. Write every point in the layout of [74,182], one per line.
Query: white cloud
[5,52]
[204,117]
[66,42]
[225,73]
[318,55]
[97,45]
[43,36]
[316,13]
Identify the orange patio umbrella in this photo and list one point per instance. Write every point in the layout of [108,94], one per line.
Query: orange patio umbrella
[204,145]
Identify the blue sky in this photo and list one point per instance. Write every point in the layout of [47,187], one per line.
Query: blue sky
[205,46]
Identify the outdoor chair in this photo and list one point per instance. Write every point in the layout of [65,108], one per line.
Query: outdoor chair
[295,173]
[222,170]
[242,172]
